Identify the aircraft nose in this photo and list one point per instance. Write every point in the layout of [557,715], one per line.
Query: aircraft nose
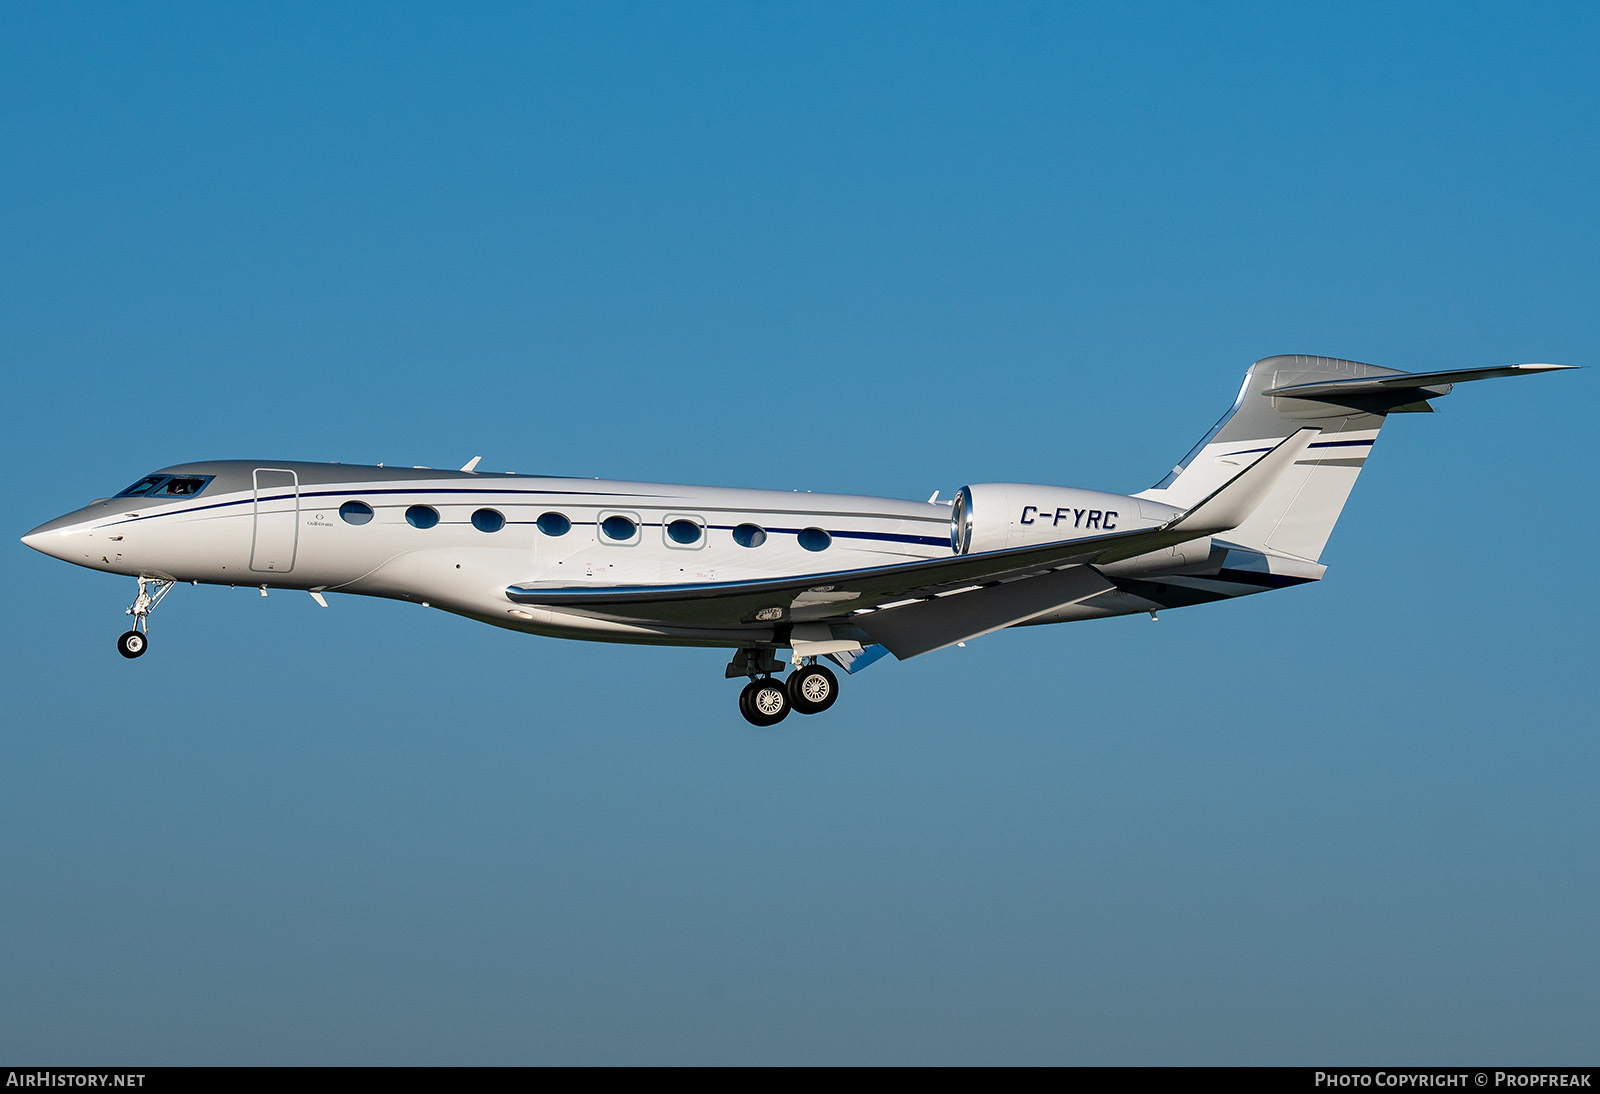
[56,538]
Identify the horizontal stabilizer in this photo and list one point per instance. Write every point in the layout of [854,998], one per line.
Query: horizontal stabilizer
[1404,383]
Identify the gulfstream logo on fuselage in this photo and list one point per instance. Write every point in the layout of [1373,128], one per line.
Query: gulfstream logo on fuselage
[1103,519]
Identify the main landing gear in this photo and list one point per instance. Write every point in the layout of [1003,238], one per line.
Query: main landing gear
[763,702]
[135,642]
[766,701]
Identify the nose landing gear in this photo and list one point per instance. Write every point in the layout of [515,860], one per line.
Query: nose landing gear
[133,643]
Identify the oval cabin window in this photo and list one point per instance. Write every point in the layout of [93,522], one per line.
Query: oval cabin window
[683,531]
[814,539]
[619,528]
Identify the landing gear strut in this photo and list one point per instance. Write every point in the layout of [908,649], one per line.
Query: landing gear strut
[135,642]
[766,700]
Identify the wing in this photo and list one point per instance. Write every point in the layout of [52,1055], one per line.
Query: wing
[824,596]
[834,596]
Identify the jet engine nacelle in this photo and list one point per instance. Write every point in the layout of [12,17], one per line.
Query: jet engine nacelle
[992,516]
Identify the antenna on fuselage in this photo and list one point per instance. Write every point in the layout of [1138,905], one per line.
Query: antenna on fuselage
[472,463]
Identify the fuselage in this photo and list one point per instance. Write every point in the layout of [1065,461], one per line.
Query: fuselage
[455,540]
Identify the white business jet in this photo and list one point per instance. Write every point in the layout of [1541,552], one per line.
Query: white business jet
[833,577]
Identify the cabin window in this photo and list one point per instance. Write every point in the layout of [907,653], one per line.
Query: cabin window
[355,512]
[814,539]
[685,532]
[488,520]
[553,524]
[422,516]
[619,529]
[749,535]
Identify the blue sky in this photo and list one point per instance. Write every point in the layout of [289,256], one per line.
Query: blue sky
[814,247]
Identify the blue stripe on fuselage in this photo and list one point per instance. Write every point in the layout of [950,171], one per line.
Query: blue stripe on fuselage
[531,495]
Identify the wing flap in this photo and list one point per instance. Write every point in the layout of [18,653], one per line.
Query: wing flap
[930,625]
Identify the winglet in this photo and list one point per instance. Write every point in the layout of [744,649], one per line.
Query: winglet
[1231,504]
[471,464]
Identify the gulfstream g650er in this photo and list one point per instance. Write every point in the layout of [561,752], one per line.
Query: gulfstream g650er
[824,576]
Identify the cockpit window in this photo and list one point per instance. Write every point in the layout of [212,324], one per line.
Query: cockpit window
[142,487]
[167,486]
[179,486]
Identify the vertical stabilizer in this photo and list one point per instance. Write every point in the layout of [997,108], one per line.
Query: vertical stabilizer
[1298,515]
[1347,402]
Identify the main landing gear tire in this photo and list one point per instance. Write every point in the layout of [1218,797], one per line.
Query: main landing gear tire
[764,702]
[812,689]
[132,644]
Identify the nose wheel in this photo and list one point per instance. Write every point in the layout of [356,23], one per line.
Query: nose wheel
[133,643]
